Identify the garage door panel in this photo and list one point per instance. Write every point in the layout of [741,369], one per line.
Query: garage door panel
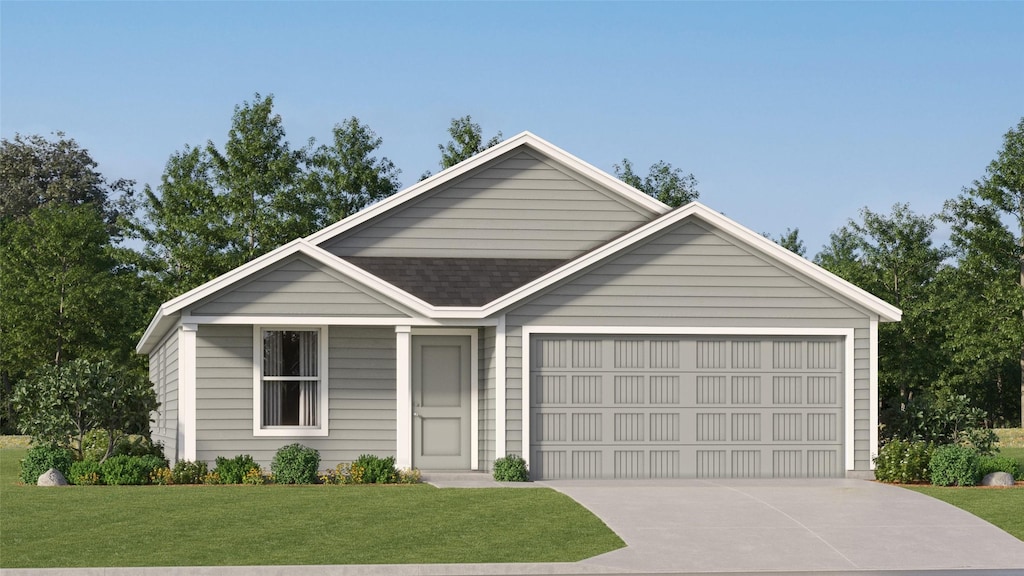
[676,406]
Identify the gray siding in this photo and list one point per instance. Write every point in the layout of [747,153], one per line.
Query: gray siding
[521,206]
[362,405]
[488,372]
[690,276]
[296,287]
[163,373]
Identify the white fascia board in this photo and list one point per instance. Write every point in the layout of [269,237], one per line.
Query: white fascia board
[884,310]
[631,194]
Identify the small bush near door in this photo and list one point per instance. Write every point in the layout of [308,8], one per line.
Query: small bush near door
[511,468]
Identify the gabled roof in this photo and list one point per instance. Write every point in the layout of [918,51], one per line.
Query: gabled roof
[523,139]
[402,291]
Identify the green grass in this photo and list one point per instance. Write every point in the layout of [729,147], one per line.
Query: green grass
[274,525]
[999,506]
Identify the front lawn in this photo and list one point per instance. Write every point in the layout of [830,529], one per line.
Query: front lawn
[274,525]
[1003,507]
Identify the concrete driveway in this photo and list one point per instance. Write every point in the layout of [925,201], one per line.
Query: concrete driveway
[787,525]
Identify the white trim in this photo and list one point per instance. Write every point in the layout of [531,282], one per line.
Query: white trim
[403,396]
[323,385]
[500,390]
[187,391]
[337,321]
[474,385]
[849,373]
[755,241]
[873,396]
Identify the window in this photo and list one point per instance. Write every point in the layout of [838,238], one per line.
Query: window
[291,386]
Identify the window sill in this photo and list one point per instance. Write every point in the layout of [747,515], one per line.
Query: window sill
[294,431]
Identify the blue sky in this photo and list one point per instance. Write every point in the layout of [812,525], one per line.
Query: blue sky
[789,114]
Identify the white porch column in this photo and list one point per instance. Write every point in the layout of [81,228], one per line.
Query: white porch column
[403,396]
[500,410]
[187,392]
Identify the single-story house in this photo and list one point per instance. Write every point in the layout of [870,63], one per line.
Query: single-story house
[525,302]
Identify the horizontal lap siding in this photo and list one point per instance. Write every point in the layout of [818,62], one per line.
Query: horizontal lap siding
[361,373]
[691,276]
[163,373]
[297,287]
[519,207]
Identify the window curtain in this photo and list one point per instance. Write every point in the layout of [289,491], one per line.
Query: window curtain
[290,357]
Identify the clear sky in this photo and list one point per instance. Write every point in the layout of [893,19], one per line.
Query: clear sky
[789,114]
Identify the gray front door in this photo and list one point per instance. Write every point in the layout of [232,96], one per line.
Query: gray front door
[441,402]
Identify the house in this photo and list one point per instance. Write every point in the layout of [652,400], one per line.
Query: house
[525,302]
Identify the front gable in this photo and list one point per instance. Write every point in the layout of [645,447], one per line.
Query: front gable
[522,205]
[692,273]
[296,286]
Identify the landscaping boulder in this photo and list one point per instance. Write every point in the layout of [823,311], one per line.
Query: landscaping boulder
[53,477]
[998,479]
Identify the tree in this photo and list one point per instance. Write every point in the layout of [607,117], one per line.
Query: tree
[663,182]
[893,258]
[791,241]
[467,141]
[258,173]
[35,171]
[345,177]
[988,233]
[59,404]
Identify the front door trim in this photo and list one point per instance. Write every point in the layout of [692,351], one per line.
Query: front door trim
[405,408]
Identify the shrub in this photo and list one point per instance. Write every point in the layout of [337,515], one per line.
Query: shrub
[254,477]
[41,458]
[409,476]
[126,470]
[903,462]
[232,470]
[511,468]
[955,465]
[85,473]
[161,476]
[212,478]
[188,472]
[295,464]
[996,463]
[372,469]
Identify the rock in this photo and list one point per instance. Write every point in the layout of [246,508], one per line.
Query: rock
[52,477]
[998,479]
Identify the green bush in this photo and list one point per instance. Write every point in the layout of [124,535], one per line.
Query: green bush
[511,468]
[903,462]
[126,470]
[295,464]
[232,470]
[955,465]
[996,463]
[372,469]
[85,473]
[188,472]
[41,458]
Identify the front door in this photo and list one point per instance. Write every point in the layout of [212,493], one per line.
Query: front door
[441,402]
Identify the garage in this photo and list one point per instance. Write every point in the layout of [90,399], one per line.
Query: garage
[686,406]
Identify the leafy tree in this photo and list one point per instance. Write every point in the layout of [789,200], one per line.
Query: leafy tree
[791,241]
[345,177]
[35,171]
[59,404]
[985,298]
[892,256]
[663,182]
[467,141]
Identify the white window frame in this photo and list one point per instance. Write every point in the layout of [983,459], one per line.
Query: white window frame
[322,428]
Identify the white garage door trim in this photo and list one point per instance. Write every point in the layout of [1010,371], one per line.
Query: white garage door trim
[848,369]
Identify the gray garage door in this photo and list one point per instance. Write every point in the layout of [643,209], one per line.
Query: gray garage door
[685,407]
